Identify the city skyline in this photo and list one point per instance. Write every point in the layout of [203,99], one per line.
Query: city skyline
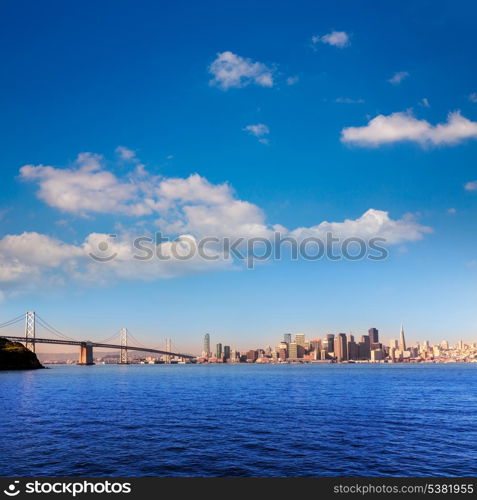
[321,120]
[198,346]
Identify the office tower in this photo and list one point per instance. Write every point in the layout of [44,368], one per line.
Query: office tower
[373,335]
[330,338]
[364,348]
[282,350]
[226,351]
[340,347]
[252,356]
[352,348]
[292,350]
[377,355]
[300,339]
[394,344]
[206,351]
[287,338]
[315,345]
[218,351]
[374,338]
[402,340]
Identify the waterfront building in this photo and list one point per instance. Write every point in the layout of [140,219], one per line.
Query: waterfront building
[377,355]
[330,339]
[292,350]
[373,335]
[206,351]
[218,351]
[364,348]
[287,337]
[300,339]
[252,356]
[352,348]
[226,352]
[341,347]
[402,340]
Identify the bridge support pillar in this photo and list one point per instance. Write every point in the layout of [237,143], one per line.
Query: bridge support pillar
[86,354]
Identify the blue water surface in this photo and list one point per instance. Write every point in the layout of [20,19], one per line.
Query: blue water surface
[240,420]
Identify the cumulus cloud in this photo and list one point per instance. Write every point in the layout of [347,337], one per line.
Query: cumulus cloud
[471,186]
[373,223]
[125,153]
[338,39]
[291,80]
[86,187]
[189,208]
[259,130]
[398,77]
[473,97]
[404,127]
[230,70]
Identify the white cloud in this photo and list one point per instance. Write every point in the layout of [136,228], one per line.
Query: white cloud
[373,223]
[473,97]
[86,187]
[125,153]
[231,70]
[452,211]
[349,100]
[292,80]
[190,207]
[403,126]
[398,77]
[259,130]
[336,38]
[471,186]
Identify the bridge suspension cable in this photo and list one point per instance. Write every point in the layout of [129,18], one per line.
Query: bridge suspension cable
[115,335]
[13,321]
[52,329]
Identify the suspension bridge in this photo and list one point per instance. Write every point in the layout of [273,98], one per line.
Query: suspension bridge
[127,341]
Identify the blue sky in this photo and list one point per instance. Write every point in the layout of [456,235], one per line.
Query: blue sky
[291,114]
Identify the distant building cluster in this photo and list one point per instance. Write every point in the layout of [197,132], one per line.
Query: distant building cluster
[342,348]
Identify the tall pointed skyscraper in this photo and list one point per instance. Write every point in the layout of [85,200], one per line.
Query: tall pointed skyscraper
[402,340]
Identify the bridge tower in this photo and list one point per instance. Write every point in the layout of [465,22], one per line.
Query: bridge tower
[123,357]
[30,330]
[168,349]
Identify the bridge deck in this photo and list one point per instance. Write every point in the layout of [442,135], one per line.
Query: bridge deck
[97,344]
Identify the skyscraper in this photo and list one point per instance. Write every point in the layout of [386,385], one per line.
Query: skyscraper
[364,350]
[373,335]
[226,351]
[352,348]
[287,338]
[300,339]
[330,338]
[292,350]
[206,351]
[402,340]
[218,351]
[341,348]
